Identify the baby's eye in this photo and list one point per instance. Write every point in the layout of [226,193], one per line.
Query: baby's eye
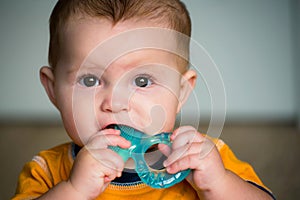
[142,81]
[89,81]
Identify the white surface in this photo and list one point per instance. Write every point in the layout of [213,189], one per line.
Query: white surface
[250,41]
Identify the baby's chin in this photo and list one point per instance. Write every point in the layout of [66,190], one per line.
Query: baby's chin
[129,165]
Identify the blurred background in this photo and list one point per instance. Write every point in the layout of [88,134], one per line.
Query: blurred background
[255,45]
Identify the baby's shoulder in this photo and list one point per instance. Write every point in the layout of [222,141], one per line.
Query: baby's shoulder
[54,156]
[56,150]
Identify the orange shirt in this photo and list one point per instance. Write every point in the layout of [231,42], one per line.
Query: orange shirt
[52,166]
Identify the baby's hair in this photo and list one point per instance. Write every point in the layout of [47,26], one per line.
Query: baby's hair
[170,13]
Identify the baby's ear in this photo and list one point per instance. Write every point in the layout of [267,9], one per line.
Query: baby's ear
[188,82]
[47,80]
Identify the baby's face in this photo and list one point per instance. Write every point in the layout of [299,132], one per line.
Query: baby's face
[96,87]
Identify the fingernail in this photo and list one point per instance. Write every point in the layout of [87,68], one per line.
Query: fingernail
[106,179]
[165,163]
[168,169]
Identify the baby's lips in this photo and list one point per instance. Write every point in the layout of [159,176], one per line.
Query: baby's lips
[109,126]
[112,125]
[109,129]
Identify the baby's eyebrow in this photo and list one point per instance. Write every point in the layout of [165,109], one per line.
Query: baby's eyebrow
[85,68]
[72,70]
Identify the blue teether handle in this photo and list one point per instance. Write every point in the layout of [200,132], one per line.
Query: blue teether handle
[140,143]
[131,135]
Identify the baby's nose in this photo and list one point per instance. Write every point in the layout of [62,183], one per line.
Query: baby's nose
[115,100]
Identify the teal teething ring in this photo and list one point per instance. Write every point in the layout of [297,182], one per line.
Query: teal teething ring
[140,143]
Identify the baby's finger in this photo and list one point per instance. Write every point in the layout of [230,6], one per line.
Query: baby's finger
[100,141]
[108,160]
[110,171]
[164,149]
[188,162]
[196,152]
[182,130]
[187,137]
[178,154]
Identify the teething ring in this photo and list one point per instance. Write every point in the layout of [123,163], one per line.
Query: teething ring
[140,143]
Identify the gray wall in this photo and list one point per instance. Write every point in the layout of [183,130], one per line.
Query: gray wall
[251,42]
[24,44]
[297,53]
[298,63]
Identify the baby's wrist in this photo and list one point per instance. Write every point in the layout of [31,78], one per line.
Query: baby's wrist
[72,192]
[63,190]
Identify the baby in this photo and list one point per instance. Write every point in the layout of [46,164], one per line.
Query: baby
[126,62]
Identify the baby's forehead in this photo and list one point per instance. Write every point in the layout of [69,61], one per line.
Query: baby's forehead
[102,42]
[138,34]
[154,60]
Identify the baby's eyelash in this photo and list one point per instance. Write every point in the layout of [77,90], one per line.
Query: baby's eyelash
[88,80]
[143,81]
[148,76]
[84,75]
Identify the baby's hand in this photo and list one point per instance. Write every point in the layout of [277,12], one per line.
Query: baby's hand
[96,165]
[190,149]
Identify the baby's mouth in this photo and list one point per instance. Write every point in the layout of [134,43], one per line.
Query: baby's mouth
[110,126]
[151,149]
[119,126]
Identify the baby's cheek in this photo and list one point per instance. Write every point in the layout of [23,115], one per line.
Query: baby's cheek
[83,115]
[157,119]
